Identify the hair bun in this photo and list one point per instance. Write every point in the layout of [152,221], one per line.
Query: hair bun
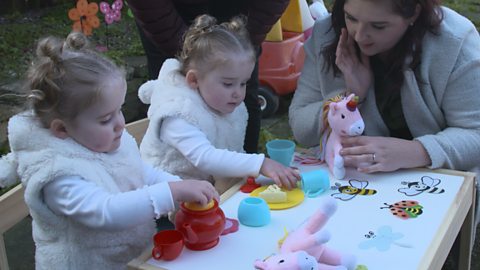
[204,23]
[237,24]
[76,41]
[50,47]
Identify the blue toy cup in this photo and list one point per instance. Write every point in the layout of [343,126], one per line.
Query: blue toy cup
[281,151]
[315,182]
[253,212]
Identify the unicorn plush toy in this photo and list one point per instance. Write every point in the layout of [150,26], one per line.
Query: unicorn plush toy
[340,118]
[306,249]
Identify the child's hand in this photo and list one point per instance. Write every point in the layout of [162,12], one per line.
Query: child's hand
[193,191]
[282,176]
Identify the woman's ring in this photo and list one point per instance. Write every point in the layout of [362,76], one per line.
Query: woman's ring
[373,157]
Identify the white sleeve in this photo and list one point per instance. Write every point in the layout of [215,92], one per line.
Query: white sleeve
[195,146]
[154,176]
[87,203]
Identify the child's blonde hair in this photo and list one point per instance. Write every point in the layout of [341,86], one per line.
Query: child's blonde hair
[206,43]
[66,77]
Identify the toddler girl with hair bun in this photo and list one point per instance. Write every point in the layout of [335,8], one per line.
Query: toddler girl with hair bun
[197,115]
[92,199]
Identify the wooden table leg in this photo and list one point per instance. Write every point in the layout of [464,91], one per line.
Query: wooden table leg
[467,235]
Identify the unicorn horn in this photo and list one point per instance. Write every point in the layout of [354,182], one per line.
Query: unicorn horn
[352,104]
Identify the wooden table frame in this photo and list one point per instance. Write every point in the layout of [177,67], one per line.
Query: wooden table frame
[460,218]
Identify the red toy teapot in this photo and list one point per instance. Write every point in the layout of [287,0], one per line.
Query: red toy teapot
[201,226]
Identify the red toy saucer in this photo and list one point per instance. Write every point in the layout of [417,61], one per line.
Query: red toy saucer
[250,185]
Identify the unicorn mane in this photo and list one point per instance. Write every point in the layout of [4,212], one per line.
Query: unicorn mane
[326,129]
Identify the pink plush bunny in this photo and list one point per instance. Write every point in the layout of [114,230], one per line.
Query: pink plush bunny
[305,247]
[340,118]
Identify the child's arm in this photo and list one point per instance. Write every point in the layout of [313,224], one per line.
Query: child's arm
[195,146]
[87,203]
[182,190]
[153,176]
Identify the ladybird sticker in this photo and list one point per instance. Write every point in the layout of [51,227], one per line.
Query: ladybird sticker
[406,209]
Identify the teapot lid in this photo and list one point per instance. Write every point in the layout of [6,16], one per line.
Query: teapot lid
[194,206]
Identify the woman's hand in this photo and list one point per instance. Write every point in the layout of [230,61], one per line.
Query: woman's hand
[357,72]
[383,154]
[199,191]
[282,176]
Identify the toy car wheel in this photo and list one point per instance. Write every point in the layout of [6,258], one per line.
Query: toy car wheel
[268,101]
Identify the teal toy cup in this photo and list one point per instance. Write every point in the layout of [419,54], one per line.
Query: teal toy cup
[253,212]
[315,182]
[281,151]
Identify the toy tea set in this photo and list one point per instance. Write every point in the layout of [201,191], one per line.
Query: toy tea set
[197,227]
[304,248]
[200,227]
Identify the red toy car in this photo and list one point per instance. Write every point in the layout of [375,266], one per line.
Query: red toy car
[279,66]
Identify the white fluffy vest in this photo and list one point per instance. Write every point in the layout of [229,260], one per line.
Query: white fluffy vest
[169,95]
[62,243]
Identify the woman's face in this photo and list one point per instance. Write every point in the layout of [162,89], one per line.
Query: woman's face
[374,25]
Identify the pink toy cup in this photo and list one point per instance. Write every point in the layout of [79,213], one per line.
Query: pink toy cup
[167,245]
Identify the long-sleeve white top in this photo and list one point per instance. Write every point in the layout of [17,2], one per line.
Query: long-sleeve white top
[93,206]
[195,146]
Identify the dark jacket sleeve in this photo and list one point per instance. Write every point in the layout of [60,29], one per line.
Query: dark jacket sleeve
[163,24]
[262,15]
[160,22]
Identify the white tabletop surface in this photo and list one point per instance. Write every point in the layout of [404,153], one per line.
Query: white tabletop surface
[399,244]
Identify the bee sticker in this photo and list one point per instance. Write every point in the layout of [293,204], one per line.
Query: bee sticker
[405,209]
[383,239]
[426,185]
[355,187]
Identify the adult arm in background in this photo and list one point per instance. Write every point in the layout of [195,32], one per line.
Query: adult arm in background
[160,22]
[163,24]
[457,146]
[262,15]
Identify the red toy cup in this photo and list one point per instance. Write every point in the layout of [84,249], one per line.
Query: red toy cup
[167,245]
